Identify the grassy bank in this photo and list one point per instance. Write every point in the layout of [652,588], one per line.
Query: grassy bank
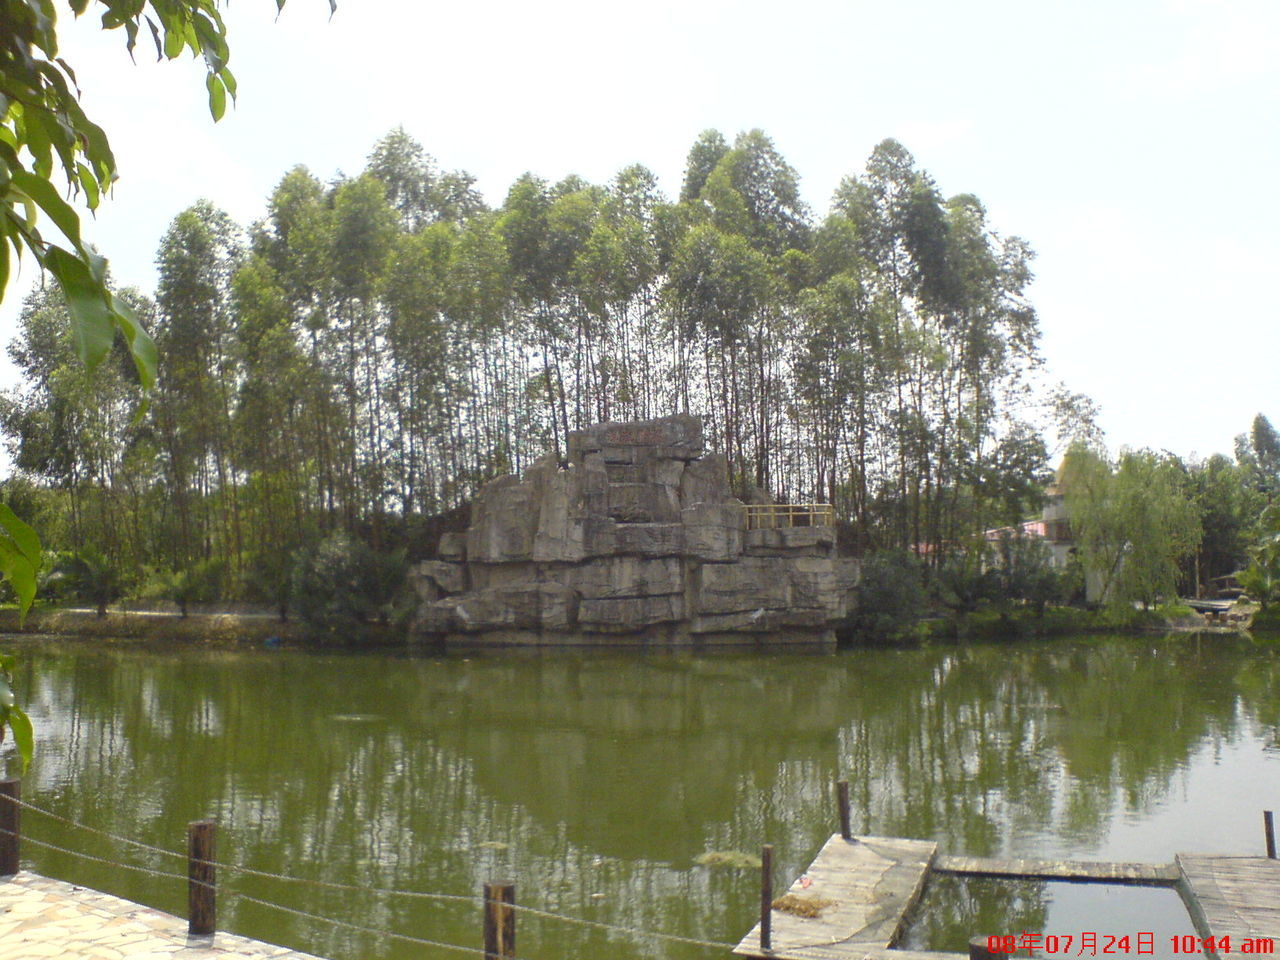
[211,629]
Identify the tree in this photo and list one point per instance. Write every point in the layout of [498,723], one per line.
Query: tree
[1133,524]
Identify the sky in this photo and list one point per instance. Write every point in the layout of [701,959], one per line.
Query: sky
[1133,143]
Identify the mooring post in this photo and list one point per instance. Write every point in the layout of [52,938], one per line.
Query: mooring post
[10,825]
[202,910]
[499,921]
[980,949]
[1268,825]
[842,798]
[766,897]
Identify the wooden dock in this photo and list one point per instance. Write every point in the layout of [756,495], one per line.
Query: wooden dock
[863,890]
[1231,896]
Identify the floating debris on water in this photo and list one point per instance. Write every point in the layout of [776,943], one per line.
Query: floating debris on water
[728,858]
[809,907]
[493,845]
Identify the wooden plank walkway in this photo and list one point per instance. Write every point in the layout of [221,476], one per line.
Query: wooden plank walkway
[870,885]
[1237,897]
[870,882]
[44,919]
[1080,871]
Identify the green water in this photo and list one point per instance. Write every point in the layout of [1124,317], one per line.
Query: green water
[594,780]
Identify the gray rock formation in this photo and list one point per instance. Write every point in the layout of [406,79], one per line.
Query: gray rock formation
[638,540]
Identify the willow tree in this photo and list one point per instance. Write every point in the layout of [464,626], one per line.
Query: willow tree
[1132,523]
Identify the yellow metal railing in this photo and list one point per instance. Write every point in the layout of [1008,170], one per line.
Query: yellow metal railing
[770,516]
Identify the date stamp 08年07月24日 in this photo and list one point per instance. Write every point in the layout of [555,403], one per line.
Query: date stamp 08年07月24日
[1090,943]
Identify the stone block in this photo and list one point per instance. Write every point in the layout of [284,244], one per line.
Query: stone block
[599,536]
[643,503]
[761,621]
[848,572]
[678,436]
[595,485]
[530,606]
[626,577]
[453,546]
[790,541]
[448,577]
[713,531]
[812,584]
[705,480]
[560,535]
[438,617]
[753,583]
[666,472]
[649,539]
[623,614]
[485,576]
[504,519]
[625,472]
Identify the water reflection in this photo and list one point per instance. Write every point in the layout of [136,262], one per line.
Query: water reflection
[595,779]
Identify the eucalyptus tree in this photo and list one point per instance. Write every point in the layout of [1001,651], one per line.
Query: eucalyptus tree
[423,379]
[488,434]
[360,246]
[751,198]
[74,427]
[198,257]
[838,383]
[419,191]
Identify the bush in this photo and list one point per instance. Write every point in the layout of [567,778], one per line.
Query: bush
[1024,572]
[965,581]
[890,596]
[268,579]
[204,581]
[89,577]
[341,586]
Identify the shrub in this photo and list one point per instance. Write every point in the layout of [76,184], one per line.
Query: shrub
[90,577]
[889,596]
[341,585]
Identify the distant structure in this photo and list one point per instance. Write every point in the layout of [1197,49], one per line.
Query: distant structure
[1052,527]
[636,539]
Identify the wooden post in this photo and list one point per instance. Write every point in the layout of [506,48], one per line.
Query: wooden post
[10,825]
[499,921]
[842,794]
[766,897]
[202,910]
[1268,824]
[979,949]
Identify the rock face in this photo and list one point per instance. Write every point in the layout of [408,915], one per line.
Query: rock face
[637,539]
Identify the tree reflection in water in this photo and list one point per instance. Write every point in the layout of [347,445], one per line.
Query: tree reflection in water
[595,779]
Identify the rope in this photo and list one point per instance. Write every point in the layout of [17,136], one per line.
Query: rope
[421,941]
[249,871]
[110,863]
[94,830]
[344,887]
[645,934]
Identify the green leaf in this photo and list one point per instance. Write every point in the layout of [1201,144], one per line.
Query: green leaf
[23,536]
[57,209]
[141,346]
[7,699]
[217,96]
[92,324]
[23,735]
[173,40]
[228,81]
[20,573]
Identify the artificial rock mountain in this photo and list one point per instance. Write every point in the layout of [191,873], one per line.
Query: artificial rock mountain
[634,538]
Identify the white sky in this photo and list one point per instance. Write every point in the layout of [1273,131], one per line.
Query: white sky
[1133,143]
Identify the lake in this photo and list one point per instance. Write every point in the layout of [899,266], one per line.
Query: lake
[600,781]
